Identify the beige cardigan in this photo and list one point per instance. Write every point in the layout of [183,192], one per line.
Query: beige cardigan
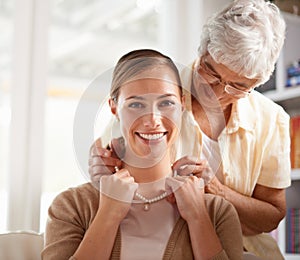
[73,211]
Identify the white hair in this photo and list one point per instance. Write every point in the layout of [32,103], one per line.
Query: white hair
[246,37]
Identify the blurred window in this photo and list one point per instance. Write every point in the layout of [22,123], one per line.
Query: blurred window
[6,42]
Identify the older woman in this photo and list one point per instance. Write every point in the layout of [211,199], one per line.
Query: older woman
[143,211]
[243,135]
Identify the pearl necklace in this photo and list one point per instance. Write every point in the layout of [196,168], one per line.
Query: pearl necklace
[147,202]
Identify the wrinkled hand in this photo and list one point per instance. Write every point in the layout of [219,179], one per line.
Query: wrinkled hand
[188,195]
[215,187]
[116,193]
[188,165]
[103,161]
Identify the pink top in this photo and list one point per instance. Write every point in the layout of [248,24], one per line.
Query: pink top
[142,231]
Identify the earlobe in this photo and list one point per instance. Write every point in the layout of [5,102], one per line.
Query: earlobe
[183,102]
[113,106]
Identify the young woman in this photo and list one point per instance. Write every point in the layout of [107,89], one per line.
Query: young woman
[143,211]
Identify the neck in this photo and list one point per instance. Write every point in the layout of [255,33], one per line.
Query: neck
[160,170]
[210,122]
[221,111]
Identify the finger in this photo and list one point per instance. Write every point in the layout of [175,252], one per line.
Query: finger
[187,170]
[191,179]
[198,182]
[171,198]
[95,178]
[124,175]
[98,142]
[96,147]
[118,147]
[100,151]
[201,183]
[97,150]
[182,161]
[95,160]
[189,160]
[97,172]
[117,188]
[104,170]
[174,183]
[104,161]
[207,175]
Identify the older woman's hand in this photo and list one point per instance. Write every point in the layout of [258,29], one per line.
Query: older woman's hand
[189,165]
[103,161]
[188,195]
[214,186]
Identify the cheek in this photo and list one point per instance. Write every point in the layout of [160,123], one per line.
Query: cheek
[127,122]
[175,116]
[173,120]
[218,90]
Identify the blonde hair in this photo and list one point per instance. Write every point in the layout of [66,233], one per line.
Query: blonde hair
[136,62]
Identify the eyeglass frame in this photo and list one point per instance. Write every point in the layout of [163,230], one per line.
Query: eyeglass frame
[228,88]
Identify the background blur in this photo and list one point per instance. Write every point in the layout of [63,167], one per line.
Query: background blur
[49,52]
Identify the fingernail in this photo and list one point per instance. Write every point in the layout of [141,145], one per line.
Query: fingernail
[174,173]
[105,153]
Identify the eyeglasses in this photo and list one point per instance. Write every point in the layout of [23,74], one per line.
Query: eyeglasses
[216,80]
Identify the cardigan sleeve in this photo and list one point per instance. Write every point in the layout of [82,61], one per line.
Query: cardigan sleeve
[227,225]
[69,216]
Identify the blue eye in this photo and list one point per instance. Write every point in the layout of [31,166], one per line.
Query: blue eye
[136,105]
[166,103]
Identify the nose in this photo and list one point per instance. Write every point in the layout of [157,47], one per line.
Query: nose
[152,120]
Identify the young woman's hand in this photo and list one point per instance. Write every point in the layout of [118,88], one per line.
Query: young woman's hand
[116,194]
[188,195]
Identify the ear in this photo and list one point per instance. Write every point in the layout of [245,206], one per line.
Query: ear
[113,107]
[183,102]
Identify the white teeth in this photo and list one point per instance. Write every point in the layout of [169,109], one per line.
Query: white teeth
[152,136]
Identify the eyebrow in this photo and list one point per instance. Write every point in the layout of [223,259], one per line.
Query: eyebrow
[142,98]
[134,97]
[211,69]
[216,74]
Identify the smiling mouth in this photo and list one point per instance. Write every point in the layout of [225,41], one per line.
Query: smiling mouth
[152,137]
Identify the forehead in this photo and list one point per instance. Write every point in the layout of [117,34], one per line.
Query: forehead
[145,86]
[227,74]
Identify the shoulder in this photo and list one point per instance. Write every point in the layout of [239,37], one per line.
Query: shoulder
[259,112]
[269,115]
[76,198]
[81,191]
[266,105]
[69,216]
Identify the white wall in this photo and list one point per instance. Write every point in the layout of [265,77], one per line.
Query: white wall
[181,26]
